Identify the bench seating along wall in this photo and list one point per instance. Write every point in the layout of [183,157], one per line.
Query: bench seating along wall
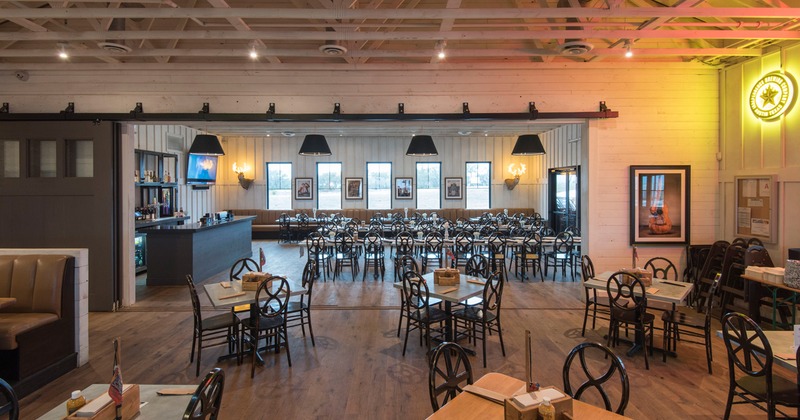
[37,333]
[266,227]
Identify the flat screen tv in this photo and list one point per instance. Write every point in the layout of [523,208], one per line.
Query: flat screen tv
[201,170]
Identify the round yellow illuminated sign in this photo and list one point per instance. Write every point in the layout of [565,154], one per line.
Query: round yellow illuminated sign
[773,95]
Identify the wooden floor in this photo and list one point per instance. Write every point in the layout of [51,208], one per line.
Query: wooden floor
[357,370]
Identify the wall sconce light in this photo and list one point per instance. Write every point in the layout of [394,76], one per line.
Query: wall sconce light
[512,182]
[240,170]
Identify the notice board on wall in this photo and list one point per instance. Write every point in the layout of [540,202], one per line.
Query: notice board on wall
[756,210]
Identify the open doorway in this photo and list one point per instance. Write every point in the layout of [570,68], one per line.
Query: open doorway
[564,197]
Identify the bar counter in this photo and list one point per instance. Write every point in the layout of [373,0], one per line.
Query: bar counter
[199,250]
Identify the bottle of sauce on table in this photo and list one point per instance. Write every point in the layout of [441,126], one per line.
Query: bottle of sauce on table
[76,402]
[546,410]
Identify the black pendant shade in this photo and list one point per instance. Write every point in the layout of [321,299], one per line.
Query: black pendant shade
[206,144]
[528,144]
[421,146]
[315,145]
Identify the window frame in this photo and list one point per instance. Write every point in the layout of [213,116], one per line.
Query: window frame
[291,183]
[466,184]
[341,180]
[416,172]
[366,178]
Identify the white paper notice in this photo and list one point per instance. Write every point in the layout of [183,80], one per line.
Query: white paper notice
[743,217]
[764,187]
[755,203]
[749,188]
[759,227]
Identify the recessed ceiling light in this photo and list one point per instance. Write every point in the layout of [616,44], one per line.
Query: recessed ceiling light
[464,133]
[288,133]
[253,54]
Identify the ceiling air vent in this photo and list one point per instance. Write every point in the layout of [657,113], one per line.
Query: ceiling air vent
[114,47]
[575,47]
[333,49]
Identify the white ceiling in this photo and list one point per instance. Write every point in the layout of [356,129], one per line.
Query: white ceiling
[368,32]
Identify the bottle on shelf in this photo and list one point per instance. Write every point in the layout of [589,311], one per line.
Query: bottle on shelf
[76,401]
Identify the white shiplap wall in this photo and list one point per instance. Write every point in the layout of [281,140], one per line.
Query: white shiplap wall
[355,152]
[754,147]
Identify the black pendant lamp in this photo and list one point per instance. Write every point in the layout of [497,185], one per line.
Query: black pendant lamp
[421,145]
[528,144]
[315,145]
[206,144]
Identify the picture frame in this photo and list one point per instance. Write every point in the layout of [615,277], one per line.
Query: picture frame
[404,188]
[755,207]
[453,188]
[660,197]
[354,188]
[304,188]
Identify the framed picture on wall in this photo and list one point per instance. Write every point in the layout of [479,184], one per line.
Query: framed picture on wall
[660,204]
[354,188]
[453,188]
[303,188]
[404,188]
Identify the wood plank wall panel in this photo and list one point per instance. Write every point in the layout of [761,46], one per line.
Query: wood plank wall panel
[355,152]
[767,147]
[670,118]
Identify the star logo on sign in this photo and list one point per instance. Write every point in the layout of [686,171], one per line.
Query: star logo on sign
[768,96]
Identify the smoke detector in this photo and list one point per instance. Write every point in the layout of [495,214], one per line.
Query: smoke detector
[575,48]
[114,47]
[333,49]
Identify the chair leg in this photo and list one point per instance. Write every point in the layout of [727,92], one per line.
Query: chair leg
[709,356]
[405,342]
[500,334]
[310,329]
[285,340]
[483,332]
[666,341]
[199,353]
[194,340]
[585,317]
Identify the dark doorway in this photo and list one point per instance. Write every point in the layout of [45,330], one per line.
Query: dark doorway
[564,196]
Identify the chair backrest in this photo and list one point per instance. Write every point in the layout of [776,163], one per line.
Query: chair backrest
[626,293]
[406,264]
[196,313]
[373,243]
[563,242]
[739,241]
[587,268]
[309,273]
[464,243]
[398,226]
[241,266]
[754,242]
[749,352]
[9,404]
[478,266]
[344,243]
[450,371]
[497,245]
[532,243]
[404,243]
[271,303]
[573,230]
[415,291]
[206,401]
[493,294]
[758,256]
[615,367]
[433,243]
[315,244]
[661,268]
[547,231]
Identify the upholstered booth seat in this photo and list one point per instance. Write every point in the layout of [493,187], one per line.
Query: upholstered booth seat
[12,325]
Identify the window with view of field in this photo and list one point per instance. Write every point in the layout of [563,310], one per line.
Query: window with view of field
[279,186]
[329,186]
[477,185]
[379,186]
[429,185]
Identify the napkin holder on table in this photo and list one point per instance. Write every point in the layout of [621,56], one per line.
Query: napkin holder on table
[251,281]
[446,277]
[645,276]
[103,408]
[514,410]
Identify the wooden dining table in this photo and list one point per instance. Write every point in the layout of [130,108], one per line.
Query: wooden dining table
[470,406]
[155,406]
[228,297]
[782,344]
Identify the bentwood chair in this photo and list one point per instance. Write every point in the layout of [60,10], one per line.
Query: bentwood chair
[238,269]
[496,249]
[9,404]
[345,254]
[374,254]
[486,314]
[211,331]
[268,319]
[463,247]
[560,255]
[750,355]
[628,303]
[687,322]
[599,305]
[318,252]
[298,313]
[528,253]
[407,264]
[612,367]
[432,250]
[206,401]
[418,311]
[403,245]
[450,371]
[661,268]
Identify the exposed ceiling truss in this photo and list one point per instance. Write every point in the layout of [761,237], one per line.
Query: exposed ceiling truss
[408,32]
